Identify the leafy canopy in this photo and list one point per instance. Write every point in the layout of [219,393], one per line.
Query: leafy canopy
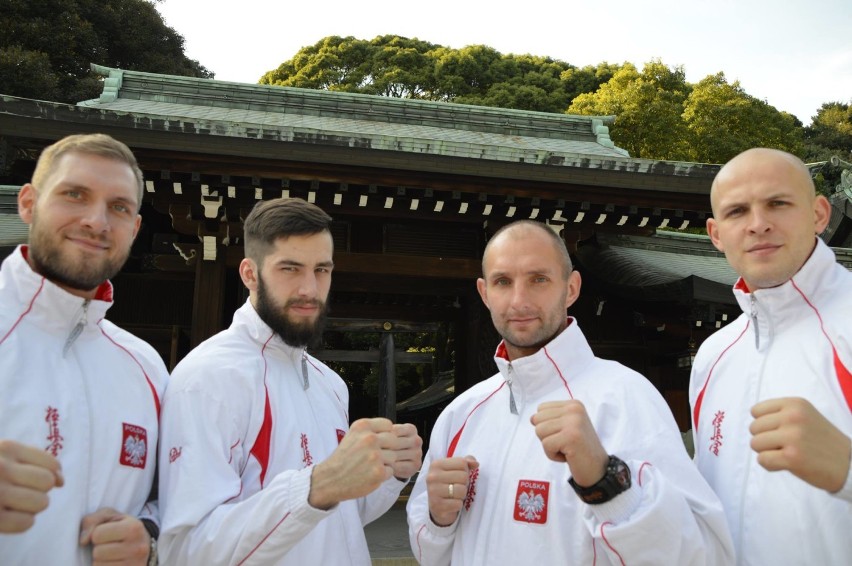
[47,46]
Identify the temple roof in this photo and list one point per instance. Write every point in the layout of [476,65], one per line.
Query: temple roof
[668,266]
[294,114]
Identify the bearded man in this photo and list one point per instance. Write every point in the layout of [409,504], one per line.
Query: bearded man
[81,397]
[261,465]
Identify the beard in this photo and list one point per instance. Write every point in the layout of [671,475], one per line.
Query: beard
[294,334]
[49,261]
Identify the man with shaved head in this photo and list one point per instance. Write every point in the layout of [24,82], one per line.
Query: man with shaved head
[561,457]
[771,393]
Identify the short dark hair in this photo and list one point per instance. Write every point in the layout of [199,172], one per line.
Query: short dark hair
[271,220]
[558,243]
[100,145]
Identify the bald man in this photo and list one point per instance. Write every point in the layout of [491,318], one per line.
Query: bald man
[561,457]
[771,393]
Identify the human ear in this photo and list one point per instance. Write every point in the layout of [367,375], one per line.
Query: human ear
[483,290]
[574,283]
[249,273]
[822,213]
[27,198]
[713,232]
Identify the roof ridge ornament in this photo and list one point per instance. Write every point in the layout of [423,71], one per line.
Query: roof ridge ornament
[112,82]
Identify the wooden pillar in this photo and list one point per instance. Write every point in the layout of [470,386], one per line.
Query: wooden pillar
[208,298]
[387,378]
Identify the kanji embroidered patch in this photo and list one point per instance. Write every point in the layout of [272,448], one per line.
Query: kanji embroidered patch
[134,446]
[531,501]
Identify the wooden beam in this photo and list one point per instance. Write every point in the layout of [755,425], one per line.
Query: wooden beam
[371,356]
[388,264]
[209,298]
[387,377]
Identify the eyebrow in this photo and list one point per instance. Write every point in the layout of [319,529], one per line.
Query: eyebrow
[294,263]
[539,271]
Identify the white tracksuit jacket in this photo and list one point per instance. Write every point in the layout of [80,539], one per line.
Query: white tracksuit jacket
[92,400]
[794,340]
[240,437]
[520,507]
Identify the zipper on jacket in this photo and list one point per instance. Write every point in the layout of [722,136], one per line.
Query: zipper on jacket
[305,382]
[78,328]
[513,408]
[753,315]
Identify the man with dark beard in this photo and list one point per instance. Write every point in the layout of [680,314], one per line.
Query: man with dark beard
[260,463]
[81,397]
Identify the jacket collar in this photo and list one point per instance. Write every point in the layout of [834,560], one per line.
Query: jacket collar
[554,365]
[246,317]
[45,303]
[777,303]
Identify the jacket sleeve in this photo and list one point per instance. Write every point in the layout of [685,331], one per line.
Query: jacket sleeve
[431,545]
[668,497]
[378,502]
[204,454]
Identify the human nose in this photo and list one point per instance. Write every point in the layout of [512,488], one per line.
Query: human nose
[95,218]
[519,296]
[308,285]
[758,222]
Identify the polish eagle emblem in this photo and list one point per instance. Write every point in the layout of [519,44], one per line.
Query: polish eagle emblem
[135,450]
[531,504]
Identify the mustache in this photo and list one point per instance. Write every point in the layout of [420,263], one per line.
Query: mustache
[303,303]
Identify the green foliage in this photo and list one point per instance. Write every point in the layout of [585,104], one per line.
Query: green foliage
[830,134]
[647,107]
[396,66]
[661,116]
[47,46]
[723,120]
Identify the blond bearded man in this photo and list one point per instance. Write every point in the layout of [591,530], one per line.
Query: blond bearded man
[81,398]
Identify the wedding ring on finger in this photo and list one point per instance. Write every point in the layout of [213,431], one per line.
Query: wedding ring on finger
[450,490]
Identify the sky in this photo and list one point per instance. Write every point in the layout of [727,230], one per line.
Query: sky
[794,54]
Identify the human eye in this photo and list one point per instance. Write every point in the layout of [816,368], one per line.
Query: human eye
[734,212]
[502,282]
[121,208]
[73,194]
[540,279]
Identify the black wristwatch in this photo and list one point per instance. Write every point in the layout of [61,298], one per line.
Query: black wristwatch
[615,480]
[154,533]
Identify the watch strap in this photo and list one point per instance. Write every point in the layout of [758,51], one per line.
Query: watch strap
[616,480]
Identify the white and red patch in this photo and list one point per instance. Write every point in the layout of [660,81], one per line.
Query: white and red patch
[134,446]
[471,488]
[307,459]
[531,501]
[54,436]
[340,435]
[174,453]
[716,439]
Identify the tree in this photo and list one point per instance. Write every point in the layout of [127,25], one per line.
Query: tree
[723,120]
[647,107]
[830,134]
[658,115]
[47,46]
[396,66]
[388,66]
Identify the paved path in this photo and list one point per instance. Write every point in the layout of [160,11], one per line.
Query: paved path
[387,538]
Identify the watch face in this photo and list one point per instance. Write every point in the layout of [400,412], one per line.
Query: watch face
[621,473]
